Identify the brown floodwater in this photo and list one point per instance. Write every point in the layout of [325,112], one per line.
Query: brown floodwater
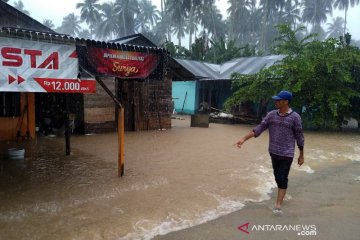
[174,179]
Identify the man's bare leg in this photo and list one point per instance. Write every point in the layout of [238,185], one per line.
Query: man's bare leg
[280,197]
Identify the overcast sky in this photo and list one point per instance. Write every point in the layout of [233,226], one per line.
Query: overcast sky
[56,10]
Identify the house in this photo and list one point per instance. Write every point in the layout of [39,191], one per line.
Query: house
[11,17]
[17,115]
[212,82]
[147,100]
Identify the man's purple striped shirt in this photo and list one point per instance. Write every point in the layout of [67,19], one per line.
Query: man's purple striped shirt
[283,131]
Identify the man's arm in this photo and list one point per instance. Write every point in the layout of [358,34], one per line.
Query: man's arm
[301,158]
[255,132]
[299,136]
[245,138]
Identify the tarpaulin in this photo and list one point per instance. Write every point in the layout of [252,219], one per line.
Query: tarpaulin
[36,66]
[117,63]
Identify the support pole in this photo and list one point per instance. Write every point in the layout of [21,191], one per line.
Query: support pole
[182,109]
[121,126]
[67,136]
[67,127]
[27,117]
[121,159]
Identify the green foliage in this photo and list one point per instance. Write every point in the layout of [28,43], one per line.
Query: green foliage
[222,51]
[218,52]
[176,51]
[198,49]
[324,77]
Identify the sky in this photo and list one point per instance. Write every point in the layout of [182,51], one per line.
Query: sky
[56,10]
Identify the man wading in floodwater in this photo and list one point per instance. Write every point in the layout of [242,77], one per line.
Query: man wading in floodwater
[284,128]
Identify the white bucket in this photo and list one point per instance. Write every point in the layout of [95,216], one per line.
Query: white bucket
[16,153]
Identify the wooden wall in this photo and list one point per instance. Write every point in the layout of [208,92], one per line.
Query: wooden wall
[99,109]
[147,103]
[11,126]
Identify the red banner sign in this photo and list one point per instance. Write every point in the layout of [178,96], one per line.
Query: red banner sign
[67,85]
[116,63]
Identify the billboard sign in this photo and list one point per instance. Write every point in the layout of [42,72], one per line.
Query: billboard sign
[117,63]
[34,66]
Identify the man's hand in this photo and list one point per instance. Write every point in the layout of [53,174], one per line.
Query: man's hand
[239,143]
[301,160]
[242,140]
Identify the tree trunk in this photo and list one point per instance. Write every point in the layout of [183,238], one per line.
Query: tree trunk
[264,27]
[125,29]
[191,19]
[346,9]
[162,8]
[164,15]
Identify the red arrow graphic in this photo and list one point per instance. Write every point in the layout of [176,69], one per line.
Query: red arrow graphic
[20,79]
[13,79]
[73,55]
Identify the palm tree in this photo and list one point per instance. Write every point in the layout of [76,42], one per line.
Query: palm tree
[49,23]
[180,11]
[85,34]
[315,12]
[164,25]
[215,25]
[194,8]
[336,28]
[128,9]
[192,26]
[20,6]
[89,12]
[178,14]
[344,5]
[148,15]
[179,29]
[71,25]
[239,16]
[211,20]
[290,13]
[109,27]
[254,34]
[270,9]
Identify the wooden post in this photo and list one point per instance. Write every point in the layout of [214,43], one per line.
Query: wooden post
[67,127]
[67,136]
[121,127]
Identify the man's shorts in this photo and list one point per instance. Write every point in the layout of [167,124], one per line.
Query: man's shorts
[281,166]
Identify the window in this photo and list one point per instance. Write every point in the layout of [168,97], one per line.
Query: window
[9,104]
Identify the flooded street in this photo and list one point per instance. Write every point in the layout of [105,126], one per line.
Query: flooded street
[173,179]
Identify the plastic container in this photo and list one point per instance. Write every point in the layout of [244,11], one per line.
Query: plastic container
[16,153]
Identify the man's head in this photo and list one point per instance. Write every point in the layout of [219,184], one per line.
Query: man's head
[283,98]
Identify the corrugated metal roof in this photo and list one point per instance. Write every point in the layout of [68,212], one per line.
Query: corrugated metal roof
[136,39]
[249,65]
[199,69]
[122,41]
[63,38]
[15,18]
[245,65]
